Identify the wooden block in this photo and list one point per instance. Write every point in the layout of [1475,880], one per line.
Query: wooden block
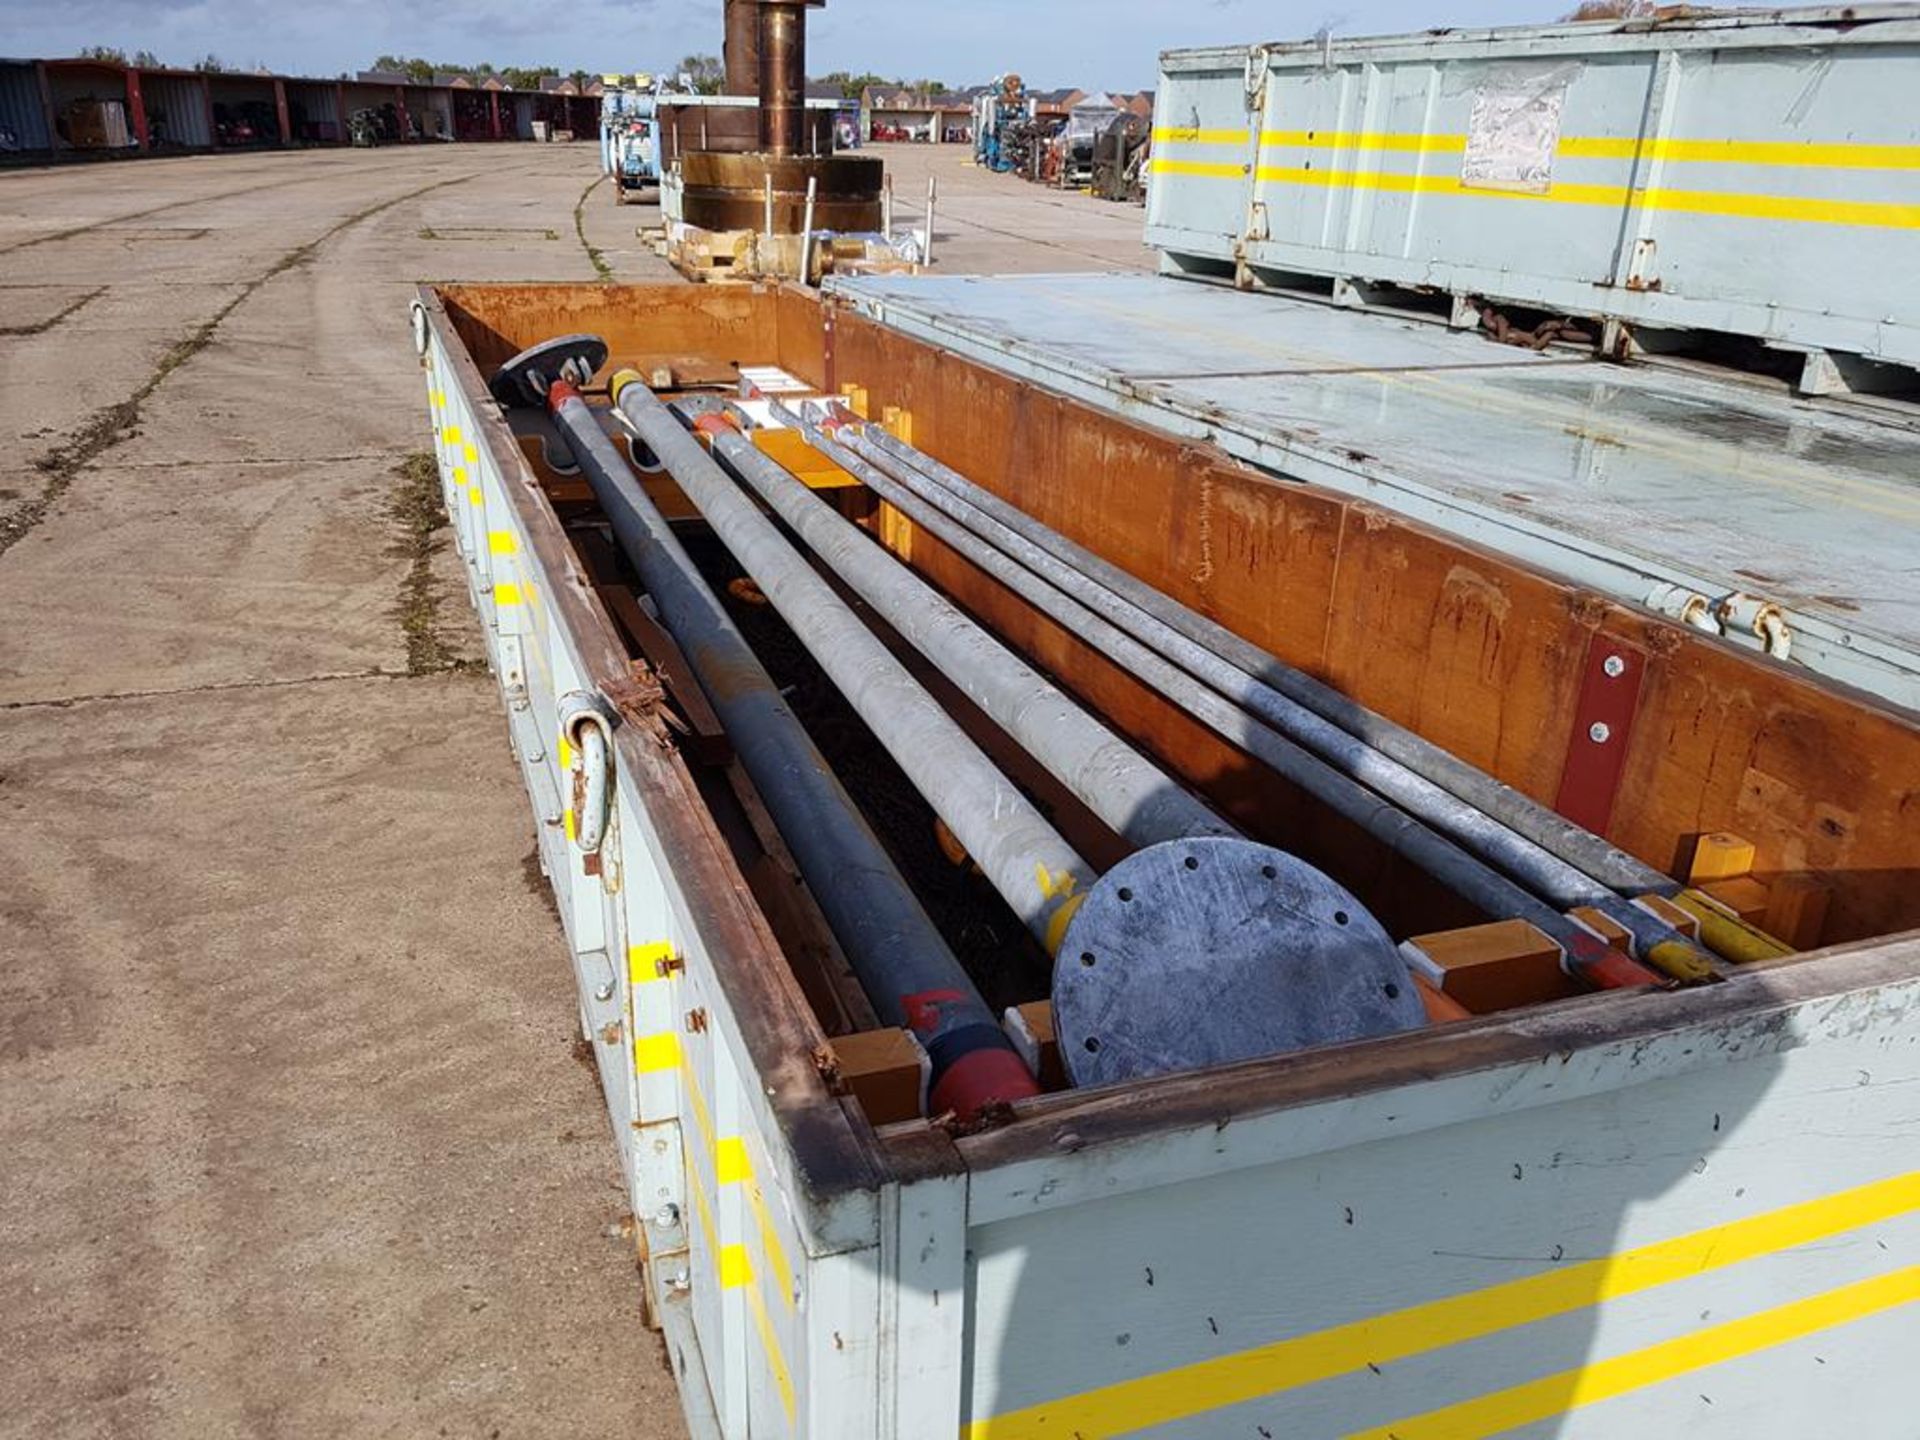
[856,398]
[1030,1027]
[886,1071]
[1662,908]
[1743,896]
[1720,856]
[1442,1008]
[1492,967]
[898,423]
[789,448]
[1611,931]
[1797,909]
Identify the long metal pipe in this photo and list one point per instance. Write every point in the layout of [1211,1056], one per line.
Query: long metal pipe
[783,77]
[1431,852]
[1134,798]
[1035,870]
[1560,882]
[1572,843]
[906,967]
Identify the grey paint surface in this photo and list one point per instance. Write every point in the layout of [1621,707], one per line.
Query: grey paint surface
[1620,477]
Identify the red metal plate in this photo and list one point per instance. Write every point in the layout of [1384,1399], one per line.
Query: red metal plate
[1602,726]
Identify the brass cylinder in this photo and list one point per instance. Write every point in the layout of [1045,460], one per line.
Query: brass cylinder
[742,51]
[728,192]
[783,77]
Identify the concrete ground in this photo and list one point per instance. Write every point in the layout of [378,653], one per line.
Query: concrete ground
[296,1143]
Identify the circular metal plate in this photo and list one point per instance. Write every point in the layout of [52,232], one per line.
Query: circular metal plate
[1203,952]
[574,358]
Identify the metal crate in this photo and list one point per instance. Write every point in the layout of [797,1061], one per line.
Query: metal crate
[1754,173]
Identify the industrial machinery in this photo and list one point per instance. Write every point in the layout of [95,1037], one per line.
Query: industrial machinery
[630,146]
[1113,891]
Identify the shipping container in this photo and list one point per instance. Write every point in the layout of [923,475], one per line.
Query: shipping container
[1747,172]
[23,110]
[1605,1215]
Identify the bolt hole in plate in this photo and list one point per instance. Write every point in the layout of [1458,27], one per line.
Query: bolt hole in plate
[1215,951]
[523,380]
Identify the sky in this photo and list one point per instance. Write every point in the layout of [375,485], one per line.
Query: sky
[1092,44]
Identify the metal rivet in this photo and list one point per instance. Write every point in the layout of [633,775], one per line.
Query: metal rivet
[1600,733]
[667,1217]
[1615,667]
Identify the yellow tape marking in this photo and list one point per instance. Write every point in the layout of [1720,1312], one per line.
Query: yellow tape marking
[730,1163]
[1838,155]
[1202,169]
[656,1054]
[644,965]
[1637,1369]
[1189,1390]
[451,435]
[572,824]
[473,455]
[506,593]
[1871,213]
[1190,135]
[439,399]
[459,475]
[736,1268]
[770,1342]
[473,494]
[500,542]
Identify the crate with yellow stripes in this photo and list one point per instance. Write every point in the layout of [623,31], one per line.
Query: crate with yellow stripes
[1747,172]
[1095,928]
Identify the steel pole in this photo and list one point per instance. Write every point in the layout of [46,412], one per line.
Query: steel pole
[1134,798]
[1574,844]
[1021,854]
[1120,598]
[1429,851]
[903,962]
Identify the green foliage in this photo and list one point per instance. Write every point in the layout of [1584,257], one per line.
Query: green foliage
[146,60]
[853,86]
[210,65]
[706,72]
[105,53]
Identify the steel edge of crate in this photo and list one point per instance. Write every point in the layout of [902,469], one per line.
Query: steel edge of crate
[1856,660]
[877,1228]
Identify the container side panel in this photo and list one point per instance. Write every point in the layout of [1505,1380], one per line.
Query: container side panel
[20,109]
[1589,1267]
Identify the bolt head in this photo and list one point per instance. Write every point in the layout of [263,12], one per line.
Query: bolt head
[667,1217]
[1615,667]
[1600,733]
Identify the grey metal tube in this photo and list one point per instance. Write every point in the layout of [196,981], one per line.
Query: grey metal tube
[1429,851]
[1022,856]
[1136,799]
[1572,843]
[1559,881]
[894,948]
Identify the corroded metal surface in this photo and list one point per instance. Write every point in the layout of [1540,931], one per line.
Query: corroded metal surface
[728,192]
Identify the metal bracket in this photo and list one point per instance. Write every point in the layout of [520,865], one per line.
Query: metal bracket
[1602,725]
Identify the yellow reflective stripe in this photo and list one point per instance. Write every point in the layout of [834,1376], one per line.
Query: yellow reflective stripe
[473,494]
[730,1163]
[439,399]
[500,542]
[572,824]
[736,1267]
[1287,1364]
[1195,167]
[459,475]
[473,455]
[1834,155]
[655,1054]
[451,435]
[1599,1380]
[1872,213]
[506,593]
[1190,135]
[1408,143]
[770,1342]
[643,962]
